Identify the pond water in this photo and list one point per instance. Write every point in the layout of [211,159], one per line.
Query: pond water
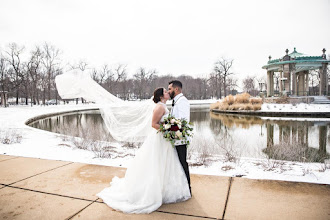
[294,139]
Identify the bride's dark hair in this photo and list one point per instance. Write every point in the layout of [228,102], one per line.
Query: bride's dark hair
[158,94]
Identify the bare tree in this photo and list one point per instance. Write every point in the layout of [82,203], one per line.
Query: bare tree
[314,81]
[95,75]
[223,68]
[14,58]
[82,65]
[232,83]
[33,74]
[143,78]
[215,84]
[3,73]
[50,62]
[249,85]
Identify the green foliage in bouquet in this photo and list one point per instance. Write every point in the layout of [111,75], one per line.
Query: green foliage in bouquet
[174,129]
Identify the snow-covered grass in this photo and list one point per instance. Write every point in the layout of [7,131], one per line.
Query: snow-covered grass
[204,160]
[302,107]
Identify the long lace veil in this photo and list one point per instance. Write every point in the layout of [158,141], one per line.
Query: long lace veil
[125,120]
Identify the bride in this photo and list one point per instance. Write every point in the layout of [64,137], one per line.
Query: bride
[155,176]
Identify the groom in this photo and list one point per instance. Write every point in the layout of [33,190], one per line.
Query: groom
[180,109]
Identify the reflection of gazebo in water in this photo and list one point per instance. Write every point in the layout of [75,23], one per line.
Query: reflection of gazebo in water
[293,141]
[294,69]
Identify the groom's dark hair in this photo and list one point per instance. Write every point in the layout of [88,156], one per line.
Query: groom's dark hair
[176,83]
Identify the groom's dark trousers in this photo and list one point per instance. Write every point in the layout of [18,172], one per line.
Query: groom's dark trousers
[182,153]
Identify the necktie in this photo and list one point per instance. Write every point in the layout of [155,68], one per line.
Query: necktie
[173,103]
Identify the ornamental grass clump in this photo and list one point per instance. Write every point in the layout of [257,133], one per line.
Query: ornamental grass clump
[215,105]
[238,103]
[255,101]
[229,100]
[243,98]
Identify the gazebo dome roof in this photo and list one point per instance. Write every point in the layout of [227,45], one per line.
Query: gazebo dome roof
[297,58]
[295,54]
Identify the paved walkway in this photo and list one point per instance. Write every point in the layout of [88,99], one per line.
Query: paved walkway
[47,189]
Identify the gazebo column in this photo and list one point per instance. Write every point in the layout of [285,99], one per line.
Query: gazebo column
[294,82]
[280,82]
[301,83]
[268,84]
[323,80]
[272,83]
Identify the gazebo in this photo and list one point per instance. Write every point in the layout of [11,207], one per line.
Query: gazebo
[293,71]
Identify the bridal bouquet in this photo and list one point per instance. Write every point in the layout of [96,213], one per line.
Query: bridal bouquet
[174,129]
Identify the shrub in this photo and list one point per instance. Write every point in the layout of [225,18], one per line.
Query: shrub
[254,101]
[223,106]
[248,106]
[215,105]
[257,107]
[229,100]
[243,98]
[10,136]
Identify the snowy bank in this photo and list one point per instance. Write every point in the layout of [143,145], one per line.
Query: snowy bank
[46,145]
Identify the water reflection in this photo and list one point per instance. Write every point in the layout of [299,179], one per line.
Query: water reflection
[304,141]
[251,136]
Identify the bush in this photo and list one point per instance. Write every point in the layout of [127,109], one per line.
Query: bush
[215,105]
[248,106]
[243,98]
[254,101]
[238,102]
[223,106]
[10,136]
[257,107]
[229,100]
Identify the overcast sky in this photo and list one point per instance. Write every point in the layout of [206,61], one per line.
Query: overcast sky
[173,36]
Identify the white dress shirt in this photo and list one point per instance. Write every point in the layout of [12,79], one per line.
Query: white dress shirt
[180,110]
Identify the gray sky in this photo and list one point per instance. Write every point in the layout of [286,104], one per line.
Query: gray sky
[172,36]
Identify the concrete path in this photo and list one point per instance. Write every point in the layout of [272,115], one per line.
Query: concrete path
[47,189]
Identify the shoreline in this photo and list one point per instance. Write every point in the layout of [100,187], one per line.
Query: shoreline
[38,143]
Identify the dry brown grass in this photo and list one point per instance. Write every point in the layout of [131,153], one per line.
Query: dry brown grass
[229,100]
[238,102]
[243,98]
[215,105]
[255,101]
[223,106]
[256,107]
[282,100]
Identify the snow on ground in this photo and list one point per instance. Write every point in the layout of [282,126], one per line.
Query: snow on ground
[46,145]
[302,107]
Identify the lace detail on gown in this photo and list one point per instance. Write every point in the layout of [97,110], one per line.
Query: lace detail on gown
[154,177]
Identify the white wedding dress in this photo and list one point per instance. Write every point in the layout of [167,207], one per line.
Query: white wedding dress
[154,177]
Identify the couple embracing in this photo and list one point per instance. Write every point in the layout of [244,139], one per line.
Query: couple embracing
[159,173]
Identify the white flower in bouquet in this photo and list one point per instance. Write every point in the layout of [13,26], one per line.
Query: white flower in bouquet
[178,134]
[173,121]
[167,126]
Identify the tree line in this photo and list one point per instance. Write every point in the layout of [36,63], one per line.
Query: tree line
[29,77]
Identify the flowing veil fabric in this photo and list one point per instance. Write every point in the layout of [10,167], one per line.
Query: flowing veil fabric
[125,120]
